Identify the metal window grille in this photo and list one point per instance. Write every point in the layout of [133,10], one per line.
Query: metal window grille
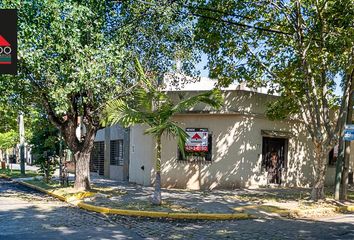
[117,153]
[97,158]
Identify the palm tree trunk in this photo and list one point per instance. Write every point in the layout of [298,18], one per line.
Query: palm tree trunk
[156,199]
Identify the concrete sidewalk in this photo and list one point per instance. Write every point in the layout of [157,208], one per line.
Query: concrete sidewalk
[110,196]
[292,202]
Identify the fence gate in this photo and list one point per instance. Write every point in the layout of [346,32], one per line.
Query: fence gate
[97,158]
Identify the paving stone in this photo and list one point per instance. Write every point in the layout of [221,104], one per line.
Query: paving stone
[20,217]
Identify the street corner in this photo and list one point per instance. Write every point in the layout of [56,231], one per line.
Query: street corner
[76,199]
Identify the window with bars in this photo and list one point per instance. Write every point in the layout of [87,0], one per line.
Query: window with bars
[97,158]
[117,153]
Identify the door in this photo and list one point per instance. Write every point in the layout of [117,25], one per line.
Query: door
[274,152]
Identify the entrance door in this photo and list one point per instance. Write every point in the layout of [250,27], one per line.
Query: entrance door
[274,152]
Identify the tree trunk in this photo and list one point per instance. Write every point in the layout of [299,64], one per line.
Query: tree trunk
[156,199]
[82,171]
[82,160]
[345,173]
[320,167]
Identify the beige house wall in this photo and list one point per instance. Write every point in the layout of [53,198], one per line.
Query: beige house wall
[236,154]
[142,147]
[236,147]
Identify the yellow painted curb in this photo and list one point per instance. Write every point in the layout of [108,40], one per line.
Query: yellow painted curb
[127,212]
[266,208]
[93,208]
[152,214]
[62,198]
[5,176]
[349,208]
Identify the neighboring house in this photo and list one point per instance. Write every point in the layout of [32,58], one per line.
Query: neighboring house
[238,139]
[110,155]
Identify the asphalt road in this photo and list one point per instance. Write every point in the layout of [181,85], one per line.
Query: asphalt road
[27,214]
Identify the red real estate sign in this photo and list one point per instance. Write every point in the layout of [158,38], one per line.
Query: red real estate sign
[197,140]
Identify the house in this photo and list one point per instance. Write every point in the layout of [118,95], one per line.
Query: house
[232,147]
[110,154]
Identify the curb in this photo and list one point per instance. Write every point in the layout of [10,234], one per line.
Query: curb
[4,176]
[151,214]
[290,212]
[349,208]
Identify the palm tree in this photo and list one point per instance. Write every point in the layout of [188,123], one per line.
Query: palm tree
[153,107]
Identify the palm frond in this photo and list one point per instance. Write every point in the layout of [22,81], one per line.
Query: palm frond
[119,112]
[212,98]
[142,99]
[172,129]
[142,76]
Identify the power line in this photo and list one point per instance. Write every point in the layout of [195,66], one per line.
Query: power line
[217,11]
[222,20]
[243,25]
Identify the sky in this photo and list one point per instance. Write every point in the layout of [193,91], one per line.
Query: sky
[205,73]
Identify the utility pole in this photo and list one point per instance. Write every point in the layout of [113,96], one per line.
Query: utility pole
[342,165]
[345,170]
[22,143]
[61,160]
[339,167]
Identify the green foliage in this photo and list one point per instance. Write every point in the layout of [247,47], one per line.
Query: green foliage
[297,48]
[260,42]
[74,56]
[45,147]
[281,109]
[149,105]
[17,173]
[8,139]
[159,32]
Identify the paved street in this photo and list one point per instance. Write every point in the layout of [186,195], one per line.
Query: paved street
[25,214]
[333,228]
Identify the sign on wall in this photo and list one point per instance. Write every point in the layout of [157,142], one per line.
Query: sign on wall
[8,41]
[349,132]
[197,140]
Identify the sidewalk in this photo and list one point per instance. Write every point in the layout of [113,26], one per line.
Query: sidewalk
[115,197]
[262,202]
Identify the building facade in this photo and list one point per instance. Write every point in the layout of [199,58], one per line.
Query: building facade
[110,154]
[242,148]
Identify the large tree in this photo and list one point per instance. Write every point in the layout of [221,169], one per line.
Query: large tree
[297,48]
[75,55]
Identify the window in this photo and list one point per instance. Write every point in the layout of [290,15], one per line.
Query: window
[332,156]
[97,158]
[198,156]
[117,153]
